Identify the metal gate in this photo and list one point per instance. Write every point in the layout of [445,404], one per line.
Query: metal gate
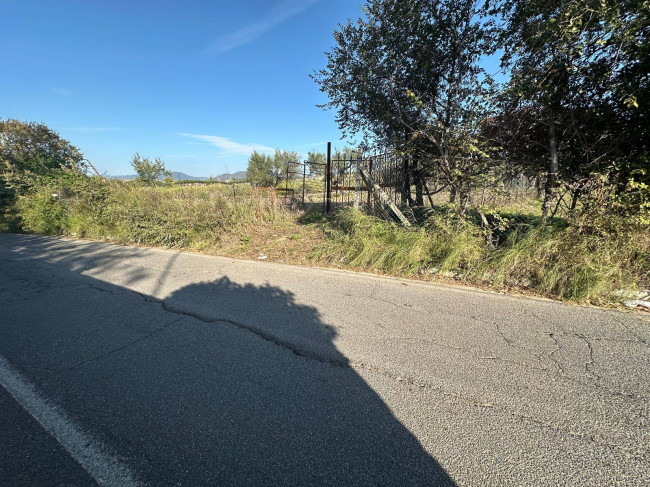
[346,186]
[349,177]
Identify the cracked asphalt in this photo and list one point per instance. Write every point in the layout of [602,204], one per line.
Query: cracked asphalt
[203,370]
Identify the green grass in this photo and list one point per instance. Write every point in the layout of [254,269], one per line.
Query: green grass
[554,260]
[125,212]
[566,263]
[566,259]
[311,185]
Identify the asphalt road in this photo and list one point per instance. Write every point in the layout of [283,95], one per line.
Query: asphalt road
[122,365]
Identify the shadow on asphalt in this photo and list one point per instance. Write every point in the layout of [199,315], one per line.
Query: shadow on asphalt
[228,384]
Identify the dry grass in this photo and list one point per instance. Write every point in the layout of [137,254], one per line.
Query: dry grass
[560,260]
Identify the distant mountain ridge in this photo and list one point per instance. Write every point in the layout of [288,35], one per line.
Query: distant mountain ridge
[181,176]
[231,176]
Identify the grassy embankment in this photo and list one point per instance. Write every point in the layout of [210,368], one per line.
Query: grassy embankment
[558,260]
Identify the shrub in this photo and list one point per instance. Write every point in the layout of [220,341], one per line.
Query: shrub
[41,211]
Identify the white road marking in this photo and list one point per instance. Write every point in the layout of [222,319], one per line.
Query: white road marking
[89,453]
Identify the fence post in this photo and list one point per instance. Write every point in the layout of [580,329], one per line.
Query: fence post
[357,176]
[304,175]
[324,189]
[328,180]
[369,190]
[286,184]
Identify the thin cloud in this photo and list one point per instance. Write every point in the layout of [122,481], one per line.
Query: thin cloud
[279,14]
[229,146]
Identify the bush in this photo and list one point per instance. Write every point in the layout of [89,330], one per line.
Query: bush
[41,211]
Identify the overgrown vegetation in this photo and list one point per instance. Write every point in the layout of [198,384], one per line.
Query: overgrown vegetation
[573,112]
[30,153]
[564,259]
[567,133]
[133,213]
[557,260]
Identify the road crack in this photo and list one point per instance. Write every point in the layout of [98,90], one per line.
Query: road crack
[260,333]
[112,351]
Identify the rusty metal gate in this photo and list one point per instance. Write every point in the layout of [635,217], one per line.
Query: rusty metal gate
[345,186]
[338,182]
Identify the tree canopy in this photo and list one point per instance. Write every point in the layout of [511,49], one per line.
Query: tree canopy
[579,70]
[409,77]
[572,111]
[29,150]
[260,171]
[149,171]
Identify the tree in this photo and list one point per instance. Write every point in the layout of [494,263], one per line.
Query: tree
[260,171]
[29,150]
[319,160]
[282,163]
[409,75]
[148,171]
[581,67]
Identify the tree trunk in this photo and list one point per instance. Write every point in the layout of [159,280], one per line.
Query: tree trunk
[452,194]
[551,178]
[539,186]
[419,182]
[463,200]
[574,198]
[426,188]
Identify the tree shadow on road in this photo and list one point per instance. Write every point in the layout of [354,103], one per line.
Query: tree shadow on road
[229,383]
[274,402]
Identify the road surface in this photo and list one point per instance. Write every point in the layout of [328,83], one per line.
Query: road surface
[131,366]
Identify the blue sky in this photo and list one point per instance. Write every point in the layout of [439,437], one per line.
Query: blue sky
[196,83]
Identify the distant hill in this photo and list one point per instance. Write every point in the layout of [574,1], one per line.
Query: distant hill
[181,176]
[231,176]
